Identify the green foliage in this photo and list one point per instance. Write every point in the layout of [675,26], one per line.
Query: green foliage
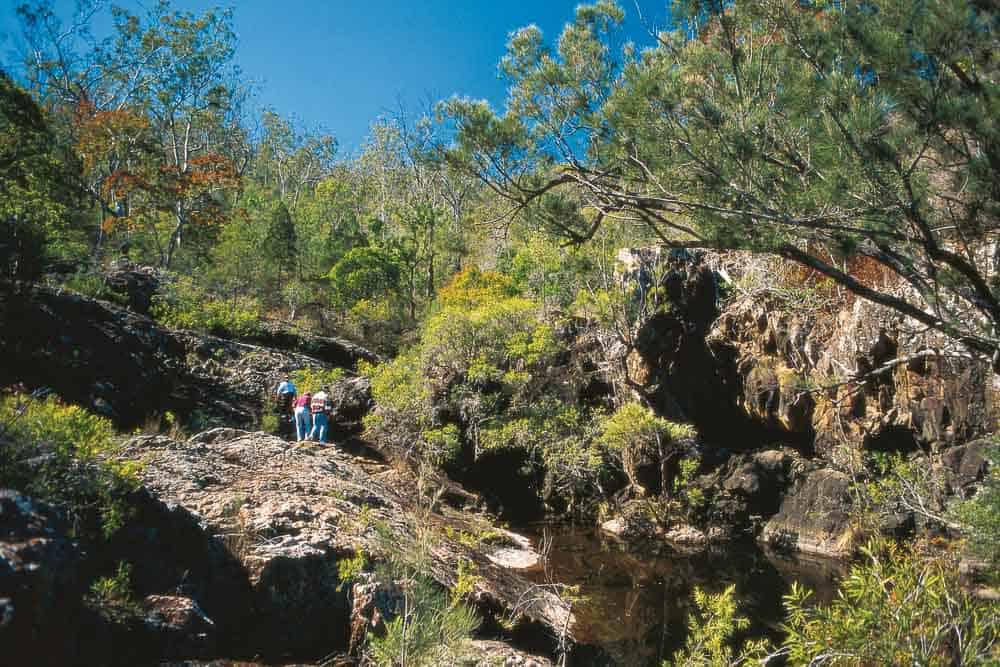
[95,286]
[711,631]
[113,597]
[312,379]
[183,304]
[364,273]
[430,631]
[979,516]
[819,132]
[349,569]
[633,423]
[65,456]
[433,626]
[902,605]
[636,435]
[269,422]
[37,186]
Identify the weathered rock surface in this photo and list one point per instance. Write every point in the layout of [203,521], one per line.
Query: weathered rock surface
[814,518]
[40,584]
[793,368]
[289,514]
[127,367]
[179,627]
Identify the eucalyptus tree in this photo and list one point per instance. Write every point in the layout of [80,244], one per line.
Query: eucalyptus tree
[152,109]
[816,131]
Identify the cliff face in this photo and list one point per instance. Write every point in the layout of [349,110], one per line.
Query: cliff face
[832,378]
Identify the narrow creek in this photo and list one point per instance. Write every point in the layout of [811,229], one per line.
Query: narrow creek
[634,607]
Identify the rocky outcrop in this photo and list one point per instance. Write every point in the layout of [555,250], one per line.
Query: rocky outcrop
[288,515]
[858,378]
[41,585]
[127,367]
[134,284]
[814,517]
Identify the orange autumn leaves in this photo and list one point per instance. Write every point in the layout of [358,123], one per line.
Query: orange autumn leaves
[135,178]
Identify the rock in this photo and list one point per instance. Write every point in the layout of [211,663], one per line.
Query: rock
[179,627]
[136,284]
[686,536]
[41,586]
[372,604]
[131,369]
[331,350]
[517,553]
[967,464]
[485,652]
[814,518]
[290,513]
[352,400]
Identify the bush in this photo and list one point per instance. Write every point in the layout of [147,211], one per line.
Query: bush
[980,518]
[636,435]
[183,304]
[65,456]
[113,597]
[313,379]
[904,605]
[431,630]
[711,630]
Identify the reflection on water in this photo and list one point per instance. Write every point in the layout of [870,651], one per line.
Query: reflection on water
[636,606]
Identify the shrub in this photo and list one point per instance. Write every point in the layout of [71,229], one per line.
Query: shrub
[113,597]
[903,605]
[711,630]
[65,456]
[636,435]
[980,518]
[313,379]
[182,304]
[431,630]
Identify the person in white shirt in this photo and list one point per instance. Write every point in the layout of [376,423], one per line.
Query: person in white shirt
[320,408]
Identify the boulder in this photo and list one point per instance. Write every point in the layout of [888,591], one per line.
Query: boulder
[966,464]
[41,585]
[289,514]
[814,517]
[178,628]
[135,284]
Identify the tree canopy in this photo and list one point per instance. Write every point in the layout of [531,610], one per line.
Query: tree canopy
[823,132]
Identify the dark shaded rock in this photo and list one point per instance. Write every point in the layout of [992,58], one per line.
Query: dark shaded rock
[352,400]
[41,586]
[129,368]
[178,628]
[102,357]
[335,351]
[134,283]
[967,464]
[814,517]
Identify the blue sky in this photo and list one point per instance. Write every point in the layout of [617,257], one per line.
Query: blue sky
[339,64]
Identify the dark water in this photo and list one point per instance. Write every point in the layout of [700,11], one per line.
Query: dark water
[636,606]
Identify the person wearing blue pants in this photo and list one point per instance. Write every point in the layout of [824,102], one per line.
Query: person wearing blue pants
[303,421]
[320,408]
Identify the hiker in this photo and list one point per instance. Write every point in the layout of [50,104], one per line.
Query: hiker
[320,408]
[284,399]
[285,388]
[303,422]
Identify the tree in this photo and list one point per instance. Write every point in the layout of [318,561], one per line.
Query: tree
[815,131]
[152,108]
[36,184]
[291,160]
